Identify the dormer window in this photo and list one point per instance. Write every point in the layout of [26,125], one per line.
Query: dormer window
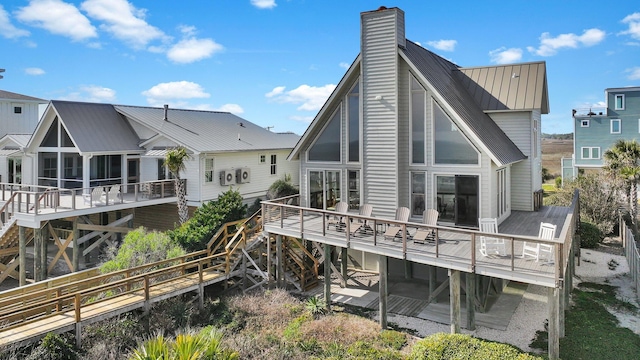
[619,102]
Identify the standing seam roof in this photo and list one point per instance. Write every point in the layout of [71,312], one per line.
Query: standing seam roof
[440,73]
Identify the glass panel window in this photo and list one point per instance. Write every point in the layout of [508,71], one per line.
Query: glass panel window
[584,123]
[590,152]
[418,192]
[273,165]
[332,188]
[327,145]
[502,191]
[615,126]
[324,189]
[51,138]
[354,189]
[354,123]
[14,170]
[162,171]
[17,109]
[66,139]
[316,184]
[263,159]
[619,102]
[451,147]
[106,170]
[48,169]
[208,170]
[446,197]
[72,163]
[418,95]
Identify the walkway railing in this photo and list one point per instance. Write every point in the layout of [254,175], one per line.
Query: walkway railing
[632,254]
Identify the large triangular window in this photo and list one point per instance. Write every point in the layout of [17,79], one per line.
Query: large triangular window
[66,139]
[451,146]
[51,138]
[327,145]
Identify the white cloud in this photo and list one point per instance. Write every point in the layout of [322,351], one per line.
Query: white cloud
[311,98]
[550,45]
[191,50]
[34,71]
[444,45]
[121,19]
[92,93]
[232,108]
[58,18]
[344,65]
[505,56]
[634,25]
[264,4]
[634,73]
[275,92]
[6,27]
[162,92]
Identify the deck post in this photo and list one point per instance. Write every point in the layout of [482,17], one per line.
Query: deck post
[22,255]
[37,247]
[269,259]
[327,276]
[43,255]
[279,260]
[554,323]
[343,266]
[454,300]
[76,246]
[433,279]
[561,299]
[382,290]
[471,304]
[408,274]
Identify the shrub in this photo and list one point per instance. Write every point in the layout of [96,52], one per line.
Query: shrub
[443,346]
[598,202]
[55,347]
[393,339]
[207,219]
[281,188]
[590,235]
[141,247]
[115,335]
[254,207]
[558,181]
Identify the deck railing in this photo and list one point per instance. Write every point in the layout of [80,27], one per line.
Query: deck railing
[456,247]
[33,199]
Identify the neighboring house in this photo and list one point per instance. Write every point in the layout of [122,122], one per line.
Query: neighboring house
[19,114]
[79,145]
[406,127]
[597,129]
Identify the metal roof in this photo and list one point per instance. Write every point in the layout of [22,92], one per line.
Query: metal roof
[441,74]
[508,87]
[96,127]
[208,131]
[7,95]
[19,139]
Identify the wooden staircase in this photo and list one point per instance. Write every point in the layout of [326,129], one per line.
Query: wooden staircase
[299,266]
[10,243]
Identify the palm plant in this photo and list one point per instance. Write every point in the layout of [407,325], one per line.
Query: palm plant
[623,161]
[175,162]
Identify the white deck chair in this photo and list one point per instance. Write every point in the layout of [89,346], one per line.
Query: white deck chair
[429,217]
[491,245]
[113,194]
[95,196]
[535,250]
[361,224]
[402,214]
[337,220]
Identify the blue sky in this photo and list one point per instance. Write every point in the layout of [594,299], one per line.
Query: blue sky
[274,62]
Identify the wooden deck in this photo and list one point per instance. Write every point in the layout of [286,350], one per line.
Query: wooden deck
[457,249]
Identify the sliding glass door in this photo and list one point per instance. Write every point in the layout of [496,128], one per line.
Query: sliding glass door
[457,199]
[324,189]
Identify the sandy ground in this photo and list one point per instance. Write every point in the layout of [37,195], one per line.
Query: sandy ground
[531,313]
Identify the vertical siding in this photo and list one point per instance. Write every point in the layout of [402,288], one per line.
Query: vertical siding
[11,123]
[380,129]
[518,126]
[261,177]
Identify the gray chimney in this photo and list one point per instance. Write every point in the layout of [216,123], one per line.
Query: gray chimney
[166,111]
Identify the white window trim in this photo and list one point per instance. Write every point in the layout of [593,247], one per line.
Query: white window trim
[615,101]
[339,111]
[591,149]
[638,125]
[434,103]
[212,170]
[619,126]
[584,123]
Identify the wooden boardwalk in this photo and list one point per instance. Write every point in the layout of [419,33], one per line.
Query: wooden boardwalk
[28,316]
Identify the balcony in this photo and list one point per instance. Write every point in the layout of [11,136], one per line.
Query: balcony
[452,248]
